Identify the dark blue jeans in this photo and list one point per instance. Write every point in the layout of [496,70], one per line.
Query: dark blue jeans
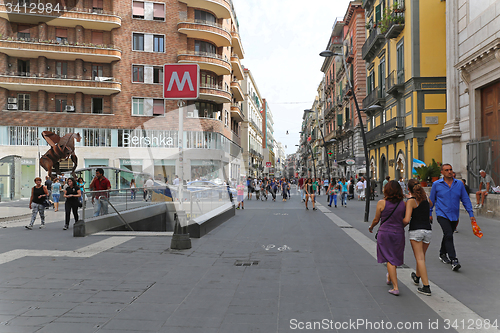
[447,245]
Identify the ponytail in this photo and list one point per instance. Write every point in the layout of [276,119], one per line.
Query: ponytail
[417,190]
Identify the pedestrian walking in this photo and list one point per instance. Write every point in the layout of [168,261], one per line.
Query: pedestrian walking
[301,188]
[72,195]
[386,180]
[284,189]
[391,235]
[81,185]
[343,193]
[133,189]
[333,191]
[360,187]
[249,188]
[325,186]
[56,194]
[148,189]
[48,185]
[39,194]
[310,193]
[240,192]
[420,232]
[446,194]
[100,183]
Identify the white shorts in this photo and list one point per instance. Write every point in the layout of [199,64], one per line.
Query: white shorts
[420,235]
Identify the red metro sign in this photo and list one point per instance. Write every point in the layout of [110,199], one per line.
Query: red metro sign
[181,81]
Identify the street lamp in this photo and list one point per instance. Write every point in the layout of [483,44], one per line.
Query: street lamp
[327,54]
[324,145]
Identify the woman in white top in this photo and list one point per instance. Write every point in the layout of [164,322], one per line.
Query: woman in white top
[360,187]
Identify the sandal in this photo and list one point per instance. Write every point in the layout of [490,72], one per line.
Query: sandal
[394,292]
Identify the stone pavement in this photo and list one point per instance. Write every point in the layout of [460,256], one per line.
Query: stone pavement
[305,267]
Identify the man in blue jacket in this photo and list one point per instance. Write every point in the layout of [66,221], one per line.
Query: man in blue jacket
[446,195]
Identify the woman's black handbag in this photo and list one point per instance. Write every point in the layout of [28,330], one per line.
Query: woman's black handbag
[46,203]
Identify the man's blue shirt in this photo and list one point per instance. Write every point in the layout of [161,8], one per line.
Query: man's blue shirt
[447,199]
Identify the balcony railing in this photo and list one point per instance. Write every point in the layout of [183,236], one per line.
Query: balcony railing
[376,96]
[390,129]
[395,82]
[343,156]
[394,23]
[372,44]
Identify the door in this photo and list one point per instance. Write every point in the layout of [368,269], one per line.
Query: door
[490,129]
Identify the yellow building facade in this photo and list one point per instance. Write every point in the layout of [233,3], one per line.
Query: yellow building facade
[405,53]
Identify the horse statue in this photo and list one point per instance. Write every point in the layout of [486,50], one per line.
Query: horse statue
[60,149]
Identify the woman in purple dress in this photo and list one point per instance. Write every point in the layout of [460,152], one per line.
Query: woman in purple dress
[391,237]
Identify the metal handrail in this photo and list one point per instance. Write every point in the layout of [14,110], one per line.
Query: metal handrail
[101,198]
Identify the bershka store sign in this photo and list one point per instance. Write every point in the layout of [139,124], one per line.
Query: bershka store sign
[147,141]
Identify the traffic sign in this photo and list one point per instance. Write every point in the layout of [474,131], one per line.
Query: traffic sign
[269,164]
[181,81]
[350,162]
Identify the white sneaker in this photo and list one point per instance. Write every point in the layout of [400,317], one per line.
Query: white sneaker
[480,206]
[41,226]
[476,206]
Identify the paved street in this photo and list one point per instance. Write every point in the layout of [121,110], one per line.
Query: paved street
[307,266]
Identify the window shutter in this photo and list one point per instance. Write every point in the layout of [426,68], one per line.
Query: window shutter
[159,10]
[138,9]
[63,33]
[378,14]
[339,120]
[158,107]
[97,37]
[97,4]
[25,29]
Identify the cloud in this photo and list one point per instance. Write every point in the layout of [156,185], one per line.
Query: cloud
[282,40]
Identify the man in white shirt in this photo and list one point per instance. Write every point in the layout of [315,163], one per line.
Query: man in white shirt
[148,191]
[176,180]
[360,187]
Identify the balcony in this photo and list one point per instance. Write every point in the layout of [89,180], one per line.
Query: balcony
[34,48]
[214,93]
[349,56]
[207,61]
[395,82]
[390,129]
[343,156]
[236,112]
[67,85]
[372,44]
[237,91]
[221,8]
[377,96]
[237,69]
[394,23]
[210,31]
[66,17]
[256,127]
[237,46]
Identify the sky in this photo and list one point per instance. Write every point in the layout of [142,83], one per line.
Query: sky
[282,40]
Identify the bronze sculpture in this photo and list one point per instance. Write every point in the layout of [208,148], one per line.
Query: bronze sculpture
[60,149]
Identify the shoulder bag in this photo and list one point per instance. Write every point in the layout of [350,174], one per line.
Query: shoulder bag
[376,234]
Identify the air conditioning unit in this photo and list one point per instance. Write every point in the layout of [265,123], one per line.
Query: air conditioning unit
[12,100]
[190,114]
[12,107]
[69,108]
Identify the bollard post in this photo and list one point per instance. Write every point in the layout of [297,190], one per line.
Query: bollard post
[180,238]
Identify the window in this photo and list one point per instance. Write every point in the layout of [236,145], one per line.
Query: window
[23,67]
[137,106]
[138,74]
[138,10]
[401,62]
[158,43]
[97,38]
[204,17]
[159,12]
[381,74]
[138,41]
[158,107]
[204,47]
[97,105]
[97,6]
[61,69]
[208,79]
[206,110]
[23,31]
[62,36]
[23,102]
[97,71]
[157,74]
[61,102]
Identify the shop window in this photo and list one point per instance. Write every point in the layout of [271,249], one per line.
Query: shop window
[23,102]
[158,107]
[138,74]
[157,74]
[138,42]
[138,10]
[158,43]
[159,12]
[138,106]
[61,103]
[97,105]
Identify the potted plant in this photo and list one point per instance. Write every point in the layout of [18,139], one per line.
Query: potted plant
[434,170]
[423,175]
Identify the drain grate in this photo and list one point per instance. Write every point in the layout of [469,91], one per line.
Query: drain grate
[245,262]
[346,227]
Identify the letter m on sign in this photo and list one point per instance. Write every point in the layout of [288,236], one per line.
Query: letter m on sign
[181,81]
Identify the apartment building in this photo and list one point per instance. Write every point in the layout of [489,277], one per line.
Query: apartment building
[96,67]
[252,135]
[405,54]
[471,135]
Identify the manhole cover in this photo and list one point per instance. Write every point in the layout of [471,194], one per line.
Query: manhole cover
[245,262]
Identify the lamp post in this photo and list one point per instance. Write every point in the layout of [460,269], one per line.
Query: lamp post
[312,156]
[328,53]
